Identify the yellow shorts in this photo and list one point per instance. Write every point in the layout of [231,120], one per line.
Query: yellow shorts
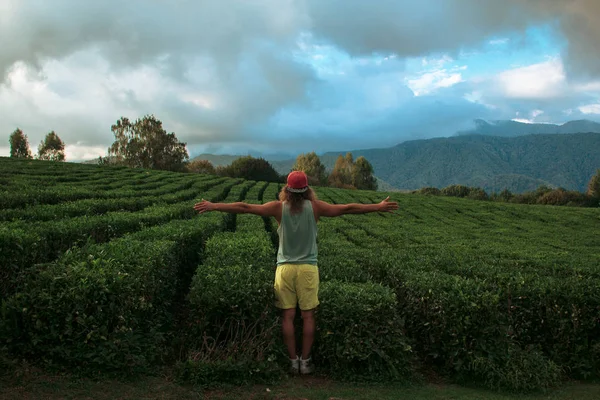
[297,284]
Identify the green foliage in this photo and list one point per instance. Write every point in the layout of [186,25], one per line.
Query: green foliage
[146,144]
[519,371]
[52,148]
[362,175]
[99,307]
[232,323]
[310,164]
[496,293]
[257,169]
[350,174]
[593,188]
[234,282]
[360,334]
[19,146]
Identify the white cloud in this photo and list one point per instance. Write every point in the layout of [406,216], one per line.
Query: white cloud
[543,80]
[590,109]
[536,113]
[497,42]
[79,152]
[523,120]
[429,82]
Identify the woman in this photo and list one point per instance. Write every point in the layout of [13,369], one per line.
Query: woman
[297,277]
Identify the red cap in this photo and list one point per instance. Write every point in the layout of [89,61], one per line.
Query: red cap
[297,182]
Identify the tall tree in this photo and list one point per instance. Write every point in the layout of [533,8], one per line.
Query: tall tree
[341,176]
[594,186]
[311,165]
[52,148]
[145,144]
[362,175]
[19,146]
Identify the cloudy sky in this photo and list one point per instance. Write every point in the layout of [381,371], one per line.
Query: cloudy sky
[232,76]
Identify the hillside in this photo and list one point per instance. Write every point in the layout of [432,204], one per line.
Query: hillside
[494,163]
[509,128]
[131,272]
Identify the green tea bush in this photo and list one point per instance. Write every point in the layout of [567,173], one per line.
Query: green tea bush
[517,371]
[97,308]
[560,315]
[360,334]
[243,248]
[232,317]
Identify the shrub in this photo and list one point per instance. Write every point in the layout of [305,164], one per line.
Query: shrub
[430,191]
[456,191]
[234,283]
[359,333]
[477,194]
[518,371]
[505,195]
[561,197]
[98,308]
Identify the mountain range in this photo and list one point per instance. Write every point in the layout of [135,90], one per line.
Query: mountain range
[510,128]
[494,156]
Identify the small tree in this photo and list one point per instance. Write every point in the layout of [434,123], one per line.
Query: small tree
[52,148]
[362,175]
[200,167]
[19,146]
[145,144]
[311,165]
[594,186]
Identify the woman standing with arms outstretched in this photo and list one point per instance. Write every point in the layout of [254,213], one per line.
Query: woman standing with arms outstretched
[297,277]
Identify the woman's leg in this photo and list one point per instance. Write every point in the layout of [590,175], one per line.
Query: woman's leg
[308,332]
[289,337]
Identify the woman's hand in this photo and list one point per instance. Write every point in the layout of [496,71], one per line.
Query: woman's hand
[387,205]
[204,206]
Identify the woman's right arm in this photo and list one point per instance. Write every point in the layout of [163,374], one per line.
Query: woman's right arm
[335,210]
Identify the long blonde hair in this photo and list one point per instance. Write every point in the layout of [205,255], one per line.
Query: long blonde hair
[296,200]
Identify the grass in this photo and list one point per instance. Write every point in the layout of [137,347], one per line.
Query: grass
[36,385]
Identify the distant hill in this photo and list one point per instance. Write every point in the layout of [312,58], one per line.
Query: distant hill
[519,164]
[508,128]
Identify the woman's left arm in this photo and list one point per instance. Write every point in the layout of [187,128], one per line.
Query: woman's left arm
[270,209]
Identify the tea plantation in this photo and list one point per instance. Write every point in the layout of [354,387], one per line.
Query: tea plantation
[109,269]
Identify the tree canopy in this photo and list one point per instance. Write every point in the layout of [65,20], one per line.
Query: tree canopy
[362,175]
[145,144]
[52,148]
[200,167]
[256,169]
[311,165]
[19,145]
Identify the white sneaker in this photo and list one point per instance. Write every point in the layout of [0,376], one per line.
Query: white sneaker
[295,365]
[306,366]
